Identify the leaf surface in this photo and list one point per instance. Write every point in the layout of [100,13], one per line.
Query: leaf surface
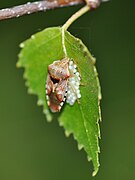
[82,118]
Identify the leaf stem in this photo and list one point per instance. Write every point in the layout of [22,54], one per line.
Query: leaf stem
[76,16]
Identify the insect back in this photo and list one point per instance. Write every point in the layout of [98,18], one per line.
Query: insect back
[56,85]
[63,81]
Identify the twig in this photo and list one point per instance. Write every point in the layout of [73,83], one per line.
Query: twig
[29,8]
[44,5]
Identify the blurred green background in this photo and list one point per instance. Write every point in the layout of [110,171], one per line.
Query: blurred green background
[31,148]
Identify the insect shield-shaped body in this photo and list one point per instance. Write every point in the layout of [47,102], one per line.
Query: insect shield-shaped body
[56,85]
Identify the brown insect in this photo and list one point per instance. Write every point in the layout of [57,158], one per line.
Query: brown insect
[56,85]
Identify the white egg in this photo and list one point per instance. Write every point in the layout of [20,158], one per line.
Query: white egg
[73,90]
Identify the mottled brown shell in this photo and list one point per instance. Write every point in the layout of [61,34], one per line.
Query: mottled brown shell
[56,84]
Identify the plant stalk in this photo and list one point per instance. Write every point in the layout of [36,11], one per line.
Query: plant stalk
[76,16]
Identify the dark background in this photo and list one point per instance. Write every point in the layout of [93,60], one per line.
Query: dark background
[31,148]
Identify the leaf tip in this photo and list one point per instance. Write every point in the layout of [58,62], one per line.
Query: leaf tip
[93,59]
[67,133]
[95,172]
[61,123]
[48,116]
[33,37]
[80,147]
[30,91]
[21,45]
[18,64]
[89,158]
[40,102]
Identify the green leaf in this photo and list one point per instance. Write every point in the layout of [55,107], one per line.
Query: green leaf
[82,118]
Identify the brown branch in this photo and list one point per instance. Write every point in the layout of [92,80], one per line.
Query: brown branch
[44,5]
[29,8]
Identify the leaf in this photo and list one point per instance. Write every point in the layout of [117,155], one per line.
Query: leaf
[82,118]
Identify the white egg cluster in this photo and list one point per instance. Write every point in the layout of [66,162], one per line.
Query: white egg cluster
[73,91]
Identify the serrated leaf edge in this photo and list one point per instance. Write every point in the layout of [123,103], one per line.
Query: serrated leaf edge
[85,50]
[46,111]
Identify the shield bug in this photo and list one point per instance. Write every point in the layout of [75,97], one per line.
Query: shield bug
[56,85]
[62,84]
